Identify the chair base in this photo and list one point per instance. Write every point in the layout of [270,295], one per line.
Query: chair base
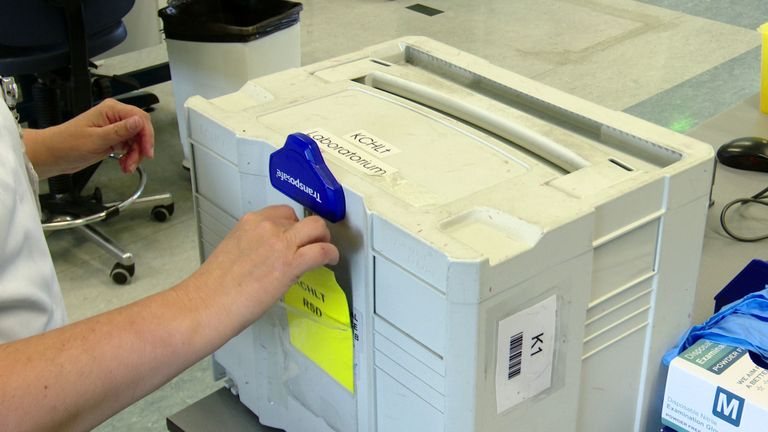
[125,266]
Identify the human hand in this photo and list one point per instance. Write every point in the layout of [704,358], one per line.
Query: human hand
[263,255]
[109,127]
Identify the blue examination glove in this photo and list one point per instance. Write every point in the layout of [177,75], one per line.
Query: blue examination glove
[743,323]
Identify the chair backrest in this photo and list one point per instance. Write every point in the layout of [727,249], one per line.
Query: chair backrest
[32,23]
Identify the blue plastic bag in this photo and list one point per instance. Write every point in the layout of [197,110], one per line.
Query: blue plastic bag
[743,323]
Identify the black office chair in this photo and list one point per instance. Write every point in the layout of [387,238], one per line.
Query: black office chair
[47,45]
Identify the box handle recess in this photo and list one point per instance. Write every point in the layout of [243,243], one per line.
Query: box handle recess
[522,136]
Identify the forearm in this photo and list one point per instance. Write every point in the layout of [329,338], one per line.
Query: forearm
[75,377]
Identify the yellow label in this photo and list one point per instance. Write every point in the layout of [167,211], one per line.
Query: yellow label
[764,70]
[318,322]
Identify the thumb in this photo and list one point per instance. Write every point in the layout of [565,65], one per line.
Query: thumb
[122,130]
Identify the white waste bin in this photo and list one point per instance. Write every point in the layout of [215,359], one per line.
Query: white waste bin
[215,46]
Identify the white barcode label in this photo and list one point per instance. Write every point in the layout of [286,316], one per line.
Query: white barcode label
[525,354]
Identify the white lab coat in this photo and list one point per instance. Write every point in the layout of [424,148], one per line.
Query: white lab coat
[30,297]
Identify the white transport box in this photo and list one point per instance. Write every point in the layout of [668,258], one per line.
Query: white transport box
[515,258]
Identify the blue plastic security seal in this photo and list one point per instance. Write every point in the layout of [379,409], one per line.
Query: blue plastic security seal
[299,171]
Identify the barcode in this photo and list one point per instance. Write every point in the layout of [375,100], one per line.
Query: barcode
[515,356]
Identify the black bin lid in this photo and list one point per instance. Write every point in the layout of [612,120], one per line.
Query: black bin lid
[227,20]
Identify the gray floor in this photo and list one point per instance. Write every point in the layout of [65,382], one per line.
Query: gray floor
[672,62]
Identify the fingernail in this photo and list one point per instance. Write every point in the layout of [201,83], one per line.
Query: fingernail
[134,124]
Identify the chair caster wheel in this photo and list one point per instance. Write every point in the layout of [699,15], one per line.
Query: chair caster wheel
[162,213]
[122,274]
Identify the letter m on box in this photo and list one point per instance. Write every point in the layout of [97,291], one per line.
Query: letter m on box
[728,407]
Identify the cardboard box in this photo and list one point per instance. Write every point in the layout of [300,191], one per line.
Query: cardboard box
[715,387]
